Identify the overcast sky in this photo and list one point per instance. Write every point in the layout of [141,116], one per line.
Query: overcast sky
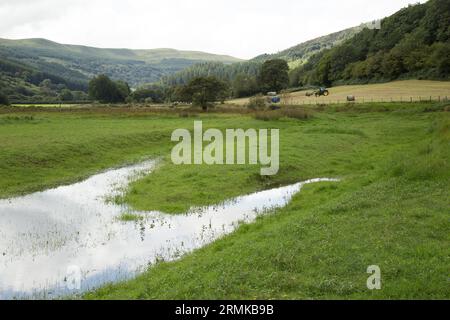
[241,28]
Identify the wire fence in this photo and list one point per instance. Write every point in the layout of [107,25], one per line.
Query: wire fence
[327,100]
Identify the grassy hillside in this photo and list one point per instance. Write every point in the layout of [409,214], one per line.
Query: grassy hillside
[412,43]
[79,63]
[299,54]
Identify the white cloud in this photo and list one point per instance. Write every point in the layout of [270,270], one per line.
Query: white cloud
[243,28]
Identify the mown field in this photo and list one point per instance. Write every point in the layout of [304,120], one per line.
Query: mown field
[383,92]
[390,208]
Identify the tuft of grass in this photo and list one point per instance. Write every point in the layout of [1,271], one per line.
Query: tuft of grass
[257,102]
[128,217]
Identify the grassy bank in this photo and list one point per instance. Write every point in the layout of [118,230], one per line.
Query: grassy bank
[390,209]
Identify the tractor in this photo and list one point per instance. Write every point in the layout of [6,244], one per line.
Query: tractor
[318,93]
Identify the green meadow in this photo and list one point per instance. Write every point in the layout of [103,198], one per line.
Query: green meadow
[390,207]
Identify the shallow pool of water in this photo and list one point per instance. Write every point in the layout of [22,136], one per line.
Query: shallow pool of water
[70,239]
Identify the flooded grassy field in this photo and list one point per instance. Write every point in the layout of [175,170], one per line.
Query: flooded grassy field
[392,198]
[51,234]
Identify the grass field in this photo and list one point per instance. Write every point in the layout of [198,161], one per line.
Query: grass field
[390,208]
[397,91]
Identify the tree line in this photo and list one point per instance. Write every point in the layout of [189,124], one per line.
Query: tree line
[201,90]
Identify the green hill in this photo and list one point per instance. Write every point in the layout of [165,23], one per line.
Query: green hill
[24,64]
[301,53]
[414,43]
[82,62]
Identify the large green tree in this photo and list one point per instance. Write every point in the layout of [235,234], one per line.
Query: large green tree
[124,89]
[105,90]
[66,95]
[244,85]
[204,90]
[152,93]
[274,75]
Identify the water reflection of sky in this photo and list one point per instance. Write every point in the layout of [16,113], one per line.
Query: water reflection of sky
[44,233]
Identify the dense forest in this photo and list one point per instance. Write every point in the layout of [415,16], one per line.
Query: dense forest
[413,43]
[240,76]
[219,70]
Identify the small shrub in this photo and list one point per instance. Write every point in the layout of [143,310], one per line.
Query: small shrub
[257,102]
[127,217]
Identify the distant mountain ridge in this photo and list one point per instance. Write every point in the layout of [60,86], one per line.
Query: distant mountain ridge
[83,62]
